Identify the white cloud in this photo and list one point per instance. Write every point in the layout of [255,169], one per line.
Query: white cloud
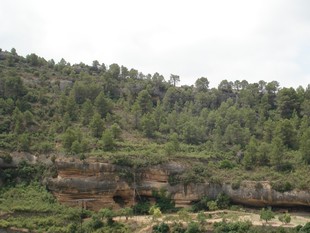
[222,39]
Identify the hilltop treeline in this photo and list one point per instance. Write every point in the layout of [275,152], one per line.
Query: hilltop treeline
[91,109]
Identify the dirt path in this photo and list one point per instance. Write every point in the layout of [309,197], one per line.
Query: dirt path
[218,216]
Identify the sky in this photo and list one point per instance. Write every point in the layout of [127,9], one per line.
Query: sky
[219,39]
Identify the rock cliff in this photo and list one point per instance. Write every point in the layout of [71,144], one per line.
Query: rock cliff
[103,184]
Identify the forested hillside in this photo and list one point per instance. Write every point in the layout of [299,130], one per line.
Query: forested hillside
[98,110]
[231,134]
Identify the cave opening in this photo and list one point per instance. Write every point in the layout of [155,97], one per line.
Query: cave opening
[119,200]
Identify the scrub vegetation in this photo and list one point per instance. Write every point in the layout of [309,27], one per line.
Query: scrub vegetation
[237,131]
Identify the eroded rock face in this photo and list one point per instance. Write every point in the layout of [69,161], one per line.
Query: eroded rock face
[106,185]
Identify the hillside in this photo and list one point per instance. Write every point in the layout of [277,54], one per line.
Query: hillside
[236,133]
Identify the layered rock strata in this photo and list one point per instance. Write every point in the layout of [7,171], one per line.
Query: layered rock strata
[98,184]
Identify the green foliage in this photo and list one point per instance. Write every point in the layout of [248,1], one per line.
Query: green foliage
[96,125]
[127,212]
[13,87]
[107,214]
[71,140]
[144,101]
[47,107]
[226,164]
[282,186]
[148,125]
[201,218]
[212,205]
[24,142]
[193,227]
[161,228]
[163,201]
[238,227]
[202,84]
[87,112]
[44,147]
[108,140]
[24,172]
[103,105]
[33,200]
[173,145]
[177,228]
[305,228]
[116,131]
[201,205]
[142,207]
[305,146]
[222,201]
[266,214]
[155,212]
[285,218]
[184,215]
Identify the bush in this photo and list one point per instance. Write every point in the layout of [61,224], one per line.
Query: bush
[161,228]
[201,205]
[44,147]
[305,228]
[282,186]
[266,214]
[164,201]
[23,173]
[285,218]
[108,140]
[142,207]
[222,201]
[177,228]
[212,205]
[240,227]
[284,167]
[193,227]
[226,164]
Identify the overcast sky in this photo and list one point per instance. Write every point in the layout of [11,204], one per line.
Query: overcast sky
[219,39]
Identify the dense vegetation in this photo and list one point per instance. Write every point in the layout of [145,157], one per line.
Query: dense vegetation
[114,111]
[258,131]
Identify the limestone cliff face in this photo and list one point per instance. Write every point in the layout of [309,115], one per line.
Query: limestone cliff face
[107,185]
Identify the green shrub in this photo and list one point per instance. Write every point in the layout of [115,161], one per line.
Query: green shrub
[266,214]
[226,164]
[212,205]
[108,141]
[193,227]
[282,186]
[201,205]
[224,227]
[161,228]
[285,218]
[142,207]
[163,201]
[284,167]
[177,228]
[222,201]
[44,147]
[305,228]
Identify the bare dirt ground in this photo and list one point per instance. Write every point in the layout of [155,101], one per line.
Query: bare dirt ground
[145,223]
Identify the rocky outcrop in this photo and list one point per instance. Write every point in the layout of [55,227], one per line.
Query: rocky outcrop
[261,194]
[99,184]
